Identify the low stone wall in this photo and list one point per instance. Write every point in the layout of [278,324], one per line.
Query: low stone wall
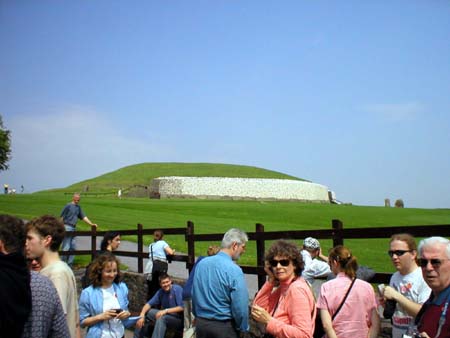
[238,188]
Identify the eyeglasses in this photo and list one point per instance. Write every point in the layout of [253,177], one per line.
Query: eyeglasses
[283,262]
[398,253]
[435,262]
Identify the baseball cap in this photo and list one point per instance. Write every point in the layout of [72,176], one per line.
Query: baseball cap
[311,243]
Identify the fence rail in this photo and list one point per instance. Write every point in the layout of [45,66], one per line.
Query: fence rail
[337,233]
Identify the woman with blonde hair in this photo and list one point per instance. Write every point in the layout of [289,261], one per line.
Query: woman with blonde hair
[347,305]
[285,303]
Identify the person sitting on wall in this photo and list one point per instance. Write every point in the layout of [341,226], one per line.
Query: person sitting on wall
[164,310]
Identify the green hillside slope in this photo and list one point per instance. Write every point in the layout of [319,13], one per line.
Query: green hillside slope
[142,174]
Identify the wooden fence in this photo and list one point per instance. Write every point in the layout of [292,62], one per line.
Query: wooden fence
[337,234]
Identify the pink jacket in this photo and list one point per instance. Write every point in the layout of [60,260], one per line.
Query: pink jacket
[295,314]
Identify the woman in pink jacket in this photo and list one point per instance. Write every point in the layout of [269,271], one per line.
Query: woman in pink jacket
[285,303]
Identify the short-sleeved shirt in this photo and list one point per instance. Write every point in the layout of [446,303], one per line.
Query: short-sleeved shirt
[71,213]
[354,318]
[165,300]
[413,287]
[157,248]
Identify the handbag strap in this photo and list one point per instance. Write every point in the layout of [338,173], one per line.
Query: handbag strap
[343,301]
[151,250]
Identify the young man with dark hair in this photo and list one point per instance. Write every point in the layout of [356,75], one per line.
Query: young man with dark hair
[44,236]
[164,310]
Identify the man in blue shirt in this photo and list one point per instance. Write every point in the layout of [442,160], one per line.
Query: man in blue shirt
[70,215]
[219,293]
[164,310]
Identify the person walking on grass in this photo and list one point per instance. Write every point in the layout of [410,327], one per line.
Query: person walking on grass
[70,215]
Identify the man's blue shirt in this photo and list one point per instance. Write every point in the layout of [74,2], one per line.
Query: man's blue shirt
[219,291]
[71,213]
[165,300]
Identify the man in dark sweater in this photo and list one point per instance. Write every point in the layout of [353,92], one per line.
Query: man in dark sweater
[15,292]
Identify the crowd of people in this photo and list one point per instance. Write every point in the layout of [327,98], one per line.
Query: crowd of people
[39,293]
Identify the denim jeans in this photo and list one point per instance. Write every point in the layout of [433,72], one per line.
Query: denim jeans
[171,321]
[68,243]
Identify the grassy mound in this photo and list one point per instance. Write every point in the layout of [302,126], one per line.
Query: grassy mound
[142,174]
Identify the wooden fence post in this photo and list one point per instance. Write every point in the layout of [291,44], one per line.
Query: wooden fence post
[140,247]
[190,245]
[93,241]
[338,226]
[260,249]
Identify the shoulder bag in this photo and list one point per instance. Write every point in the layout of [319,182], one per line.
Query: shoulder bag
[319,332]
[149,266]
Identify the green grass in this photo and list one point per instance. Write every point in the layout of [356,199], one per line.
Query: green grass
[142,174]
[218,216]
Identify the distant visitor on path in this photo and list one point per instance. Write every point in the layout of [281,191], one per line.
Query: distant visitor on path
[119,193]
[70,215]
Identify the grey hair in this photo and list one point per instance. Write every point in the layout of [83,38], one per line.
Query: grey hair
[234,236]
[433,241]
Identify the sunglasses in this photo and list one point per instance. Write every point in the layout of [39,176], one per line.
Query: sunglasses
[398,253]
[283,262]
[435,262]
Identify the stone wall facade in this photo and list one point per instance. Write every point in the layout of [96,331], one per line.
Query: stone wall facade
[238,188]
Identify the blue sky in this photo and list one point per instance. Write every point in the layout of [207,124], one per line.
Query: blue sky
[350,94]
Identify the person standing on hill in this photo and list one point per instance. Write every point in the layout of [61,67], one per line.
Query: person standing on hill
[70,215]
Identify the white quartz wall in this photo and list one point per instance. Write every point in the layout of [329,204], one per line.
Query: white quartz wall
[225,187]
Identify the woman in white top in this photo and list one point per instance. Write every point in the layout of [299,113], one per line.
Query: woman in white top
[157,252]
[104,304]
